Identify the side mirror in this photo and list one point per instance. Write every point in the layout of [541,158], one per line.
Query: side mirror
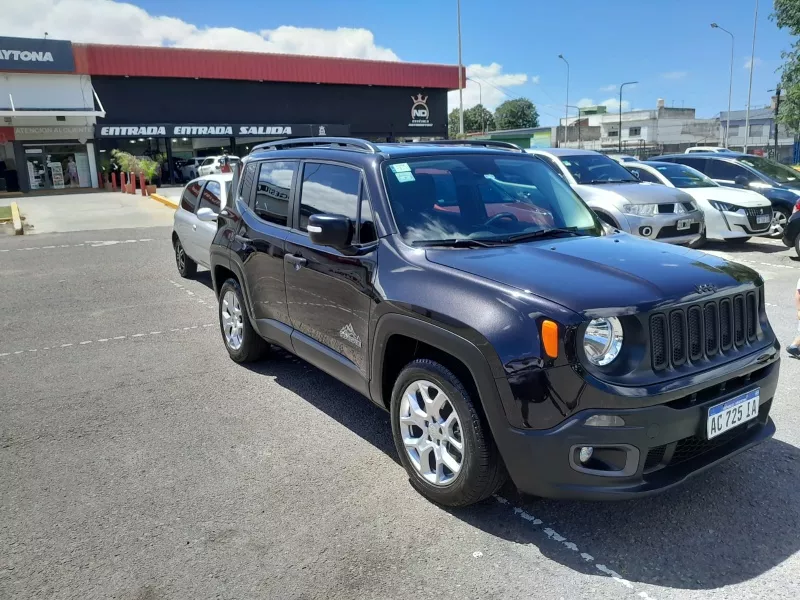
[335,231]
[741,180]
[206,214]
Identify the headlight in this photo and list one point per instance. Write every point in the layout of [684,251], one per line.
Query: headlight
[641,210]
[602,341]
[724,206]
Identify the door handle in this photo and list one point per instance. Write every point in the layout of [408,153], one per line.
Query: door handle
[298,261]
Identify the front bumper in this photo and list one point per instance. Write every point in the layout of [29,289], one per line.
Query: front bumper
[731,225]
[664,227]
[663,444]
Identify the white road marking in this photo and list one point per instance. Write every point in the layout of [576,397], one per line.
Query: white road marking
[553,535]
[87,342]
[190,293]
[89,244]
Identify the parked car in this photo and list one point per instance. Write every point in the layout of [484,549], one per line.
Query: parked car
[195,221]
[780,184]
[650,211]
[582,361]
[791,235]
[623,158]
[188,170]
[717,149]
[213,164]
[731,214]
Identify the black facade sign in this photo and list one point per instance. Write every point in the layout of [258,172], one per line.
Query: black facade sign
[222,130]
[24,54]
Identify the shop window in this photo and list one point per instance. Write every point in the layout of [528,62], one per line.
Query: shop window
[272,191]
[329,189]
[212,196]
[757,130]
[190,194]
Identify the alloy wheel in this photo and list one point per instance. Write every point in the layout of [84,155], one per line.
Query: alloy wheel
[431,432]
[779,220]
[232,321]
[180,257]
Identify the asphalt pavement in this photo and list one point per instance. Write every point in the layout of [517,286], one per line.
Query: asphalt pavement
[138,462]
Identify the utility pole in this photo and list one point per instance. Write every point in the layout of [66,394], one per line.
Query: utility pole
[777,108]
[566,104]
[730,82]
[460,76]
[619,133]
[480,101]
[750,87]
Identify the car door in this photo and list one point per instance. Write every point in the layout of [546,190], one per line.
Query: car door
[184,216]
[203,232]
[259,244]
[328,290]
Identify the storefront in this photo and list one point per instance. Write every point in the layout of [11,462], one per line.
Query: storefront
[48,113]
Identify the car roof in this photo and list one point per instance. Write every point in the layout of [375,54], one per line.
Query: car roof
[719,155]
[564,151]
[658,163]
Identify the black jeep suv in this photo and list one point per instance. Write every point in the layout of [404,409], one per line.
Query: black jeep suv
[466,289]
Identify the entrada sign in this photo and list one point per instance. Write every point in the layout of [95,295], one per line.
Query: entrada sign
[24,54]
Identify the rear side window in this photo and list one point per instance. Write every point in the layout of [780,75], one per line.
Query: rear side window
[720,169]
[207,161]
[189,198]
[212,196]
[272,191]
[328,189]
[248,177]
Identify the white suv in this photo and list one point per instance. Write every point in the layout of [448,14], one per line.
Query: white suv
[213,164]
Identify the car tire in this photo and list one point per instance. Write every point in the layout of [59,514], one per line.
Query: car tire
[780,219]
[480,471]
[797,245]
[699,242]
[187,268]
[241,341]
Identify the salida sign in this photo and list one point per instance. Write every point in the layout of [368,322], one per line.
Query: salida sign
[23,54]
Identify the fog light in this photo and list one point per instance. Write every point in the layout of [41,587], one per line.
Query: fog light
[605,421]
[585,454]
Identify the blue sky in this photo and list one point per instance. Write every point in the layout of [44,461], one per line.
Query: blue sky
[513,44]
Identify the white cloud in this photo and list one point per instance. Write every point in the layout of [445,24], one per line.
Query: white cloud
[756,62]
[611,104]
[674,75]
[609,88]
[535,79]
[487,76]
[109,22]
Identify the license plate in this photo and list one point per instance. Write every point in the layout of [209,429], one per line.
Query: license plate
[684,224]
[732,413]
[761,219]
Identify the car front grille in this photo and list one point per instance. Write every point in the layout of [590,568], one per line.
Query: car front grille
[700,331]
[671,231]
[754,213]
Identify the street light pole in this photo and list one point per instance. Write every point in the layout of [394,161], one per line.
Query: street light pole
[730,83]
[578,111]
[619,132]
[750,86]
[566,104]
[460,75]
[480,102]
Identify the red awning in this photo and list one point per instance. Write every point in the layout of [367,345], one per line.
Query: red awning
[146,61]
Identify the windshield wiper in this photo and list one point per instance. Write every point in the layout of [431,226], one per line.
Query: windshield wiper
[532,235]
[457,243]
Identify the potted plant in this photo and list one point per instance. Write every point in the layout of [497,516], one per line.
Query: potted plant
[149,168]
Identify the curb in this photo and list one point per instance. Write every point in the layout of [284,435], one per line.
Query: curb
[15,218]
[164,200]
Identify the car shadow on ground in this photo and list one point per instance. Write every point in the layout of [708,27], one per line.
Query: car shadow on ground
[754,246]
[722,528]
[204,277]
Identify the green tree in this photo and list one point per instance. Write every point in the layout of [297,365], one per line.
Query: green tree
[787,16]
[474,118]
[516,114]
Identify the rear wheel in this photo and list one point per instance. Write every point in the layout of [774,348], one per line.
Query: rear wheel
[241,340]
[797,244]
[186,266]
[441,438]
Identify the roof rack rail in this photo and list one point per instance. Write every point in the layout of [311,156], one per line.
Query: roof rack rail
[483,143]
[342,143]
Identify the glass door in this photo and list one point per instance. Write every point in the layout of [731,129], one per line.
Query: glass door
[37,170]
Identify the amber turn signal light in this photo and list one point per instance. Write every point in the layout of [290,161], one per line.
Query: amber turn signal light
[550,338]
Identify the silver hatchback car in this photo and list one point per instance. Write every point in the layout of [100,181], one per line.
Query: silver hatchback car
[195,221]
[617,197]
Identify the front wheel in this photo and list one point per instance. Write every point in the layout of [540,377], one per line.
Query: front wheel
[441,438]
[780,217]
[797,244]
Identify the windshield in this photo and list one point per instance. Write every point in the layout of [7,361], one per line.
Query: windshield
[596,168]
[771,169]
[682,176]
[481,197]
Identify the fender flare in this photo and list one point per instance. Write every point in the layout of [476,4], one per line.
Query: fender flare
[446,341]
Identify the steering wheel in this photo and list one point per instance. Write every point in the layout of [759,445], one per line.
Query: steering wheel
[499,217]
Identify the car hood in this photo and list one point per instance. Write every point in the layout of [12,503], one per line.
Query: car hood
[632,193]
[607,275]
[740,197]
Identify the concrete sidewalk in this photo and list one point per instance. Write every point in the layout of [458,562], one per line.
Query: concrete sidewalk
[81,212]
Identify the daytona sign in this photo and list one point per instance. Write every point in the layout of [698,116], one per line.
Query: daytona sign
[23,54]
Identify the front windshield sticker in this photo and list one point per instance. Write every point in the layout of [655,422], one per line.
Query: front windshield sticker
[400,168]
[404,176]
